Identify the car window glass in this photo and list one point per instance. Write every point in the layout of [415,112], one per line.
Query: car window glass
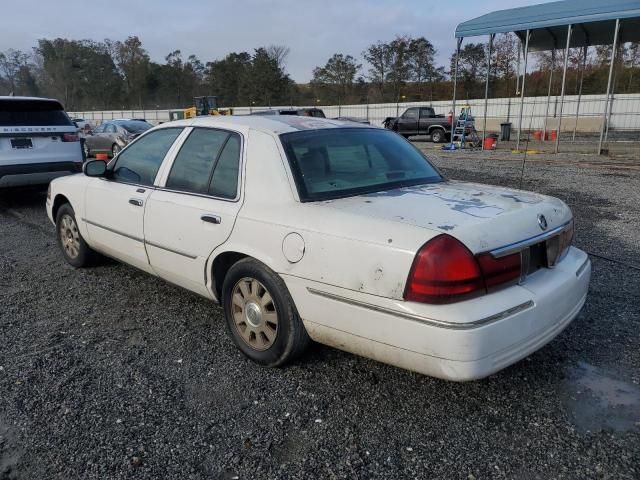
[139,163]
[111,128]
[411,113]
[192,167]
[340,162]
[225,176]
[425,113]
[99,129]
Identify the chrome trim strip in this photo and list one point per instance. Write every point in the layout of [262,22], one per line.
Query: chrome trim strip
[177,252]
[112,230]
[582,267]
[517,246]
[427,321]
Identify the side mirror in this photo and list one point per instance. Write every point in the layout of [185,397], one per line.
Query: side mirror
[95,168]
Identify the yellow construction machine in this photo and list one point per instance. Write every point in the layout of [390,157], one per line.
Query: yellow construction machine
[205,106]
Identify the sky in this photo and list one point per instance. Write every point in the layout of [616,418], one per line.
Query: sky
[313,29]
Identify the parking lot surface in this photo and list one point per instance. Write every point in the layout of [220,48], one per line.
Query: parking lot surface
[110,373]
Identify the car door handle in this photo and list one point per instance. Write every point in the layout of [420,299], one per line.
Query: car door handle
[211,219]
[135,201]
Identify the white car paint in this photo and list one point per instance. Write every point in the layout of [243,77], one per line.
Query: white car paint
[345,261]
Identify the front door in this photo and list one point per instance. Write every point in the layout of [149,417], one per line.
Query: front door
[114,205]
[194,212]
[408,122]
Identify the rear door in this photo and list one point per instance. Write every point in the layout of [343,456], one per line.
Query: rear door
[114,206]
[194,210]
[36,131]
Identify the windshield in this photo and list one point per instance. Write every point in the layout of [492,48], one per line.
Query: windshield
[341,162]
[135,126]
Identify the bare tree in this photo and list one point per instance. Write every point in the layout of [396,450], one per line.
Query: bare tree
[279,54]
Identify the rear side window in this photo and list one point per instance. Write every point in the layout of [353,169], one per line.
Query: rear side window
[32,113]
[139,163]
[207,164]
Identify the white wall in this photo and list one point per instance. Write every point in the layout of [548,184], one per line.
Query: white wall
[625,110]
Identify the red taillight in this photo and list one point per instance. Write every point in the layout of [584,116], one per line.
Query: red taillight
[498,271]
[70,137]
[445,271]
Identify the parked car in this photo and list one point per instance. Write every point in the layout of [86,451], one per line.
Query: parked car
[420,121]
[38,141]
[302,112]
[333,231]
[112,136]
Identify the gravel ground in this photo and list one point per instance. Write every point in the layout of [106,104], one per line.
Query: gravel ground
[110,373]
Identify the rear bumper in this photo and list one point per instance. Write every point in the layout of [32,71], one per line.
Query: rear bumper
[464,341]
[35,173]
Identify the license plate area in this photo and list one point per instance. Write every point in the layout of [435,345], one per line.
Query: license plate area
[21,143]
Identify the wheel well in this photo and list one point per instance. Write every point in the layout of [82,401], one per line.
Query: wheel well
[436,127]
[57,203]
[221,265]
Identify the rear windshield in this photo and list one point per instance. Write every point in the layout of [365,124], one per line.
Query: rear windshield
[32,113]
[135,126]
[342,162]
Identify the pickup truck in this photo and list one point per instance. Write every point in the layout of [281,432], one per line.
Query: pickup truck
[420,121]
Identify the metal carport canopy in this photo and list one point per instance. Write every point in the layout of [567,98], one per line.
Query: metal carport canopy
[593,20]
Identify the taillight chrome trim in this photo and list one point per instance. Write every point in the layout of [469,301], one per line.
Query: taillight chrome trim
[425,320]
[518,246]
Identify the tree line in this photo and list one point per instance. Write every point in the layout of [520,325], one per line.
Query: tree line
[102,75]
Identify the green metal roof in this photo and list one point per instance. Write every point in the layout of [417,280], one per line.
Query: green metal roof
[593,21]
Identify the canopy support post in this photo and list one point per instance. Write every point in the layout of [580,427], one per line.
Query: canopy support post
[455,84]
[584,65]
[605,119]
[524,76]
[564,78]
[546,114]
[486,88]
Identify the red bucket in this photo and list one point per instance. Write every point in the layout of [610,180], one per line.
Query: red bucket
[489,143]
[537,135]
[554,134]
[102,156]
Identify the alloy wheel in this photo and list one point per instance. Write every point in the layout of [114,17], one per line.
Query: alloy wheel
[69,236]
[254,314]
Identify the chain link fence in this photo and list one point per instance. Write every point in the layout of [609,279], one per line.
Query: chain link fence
[582,117]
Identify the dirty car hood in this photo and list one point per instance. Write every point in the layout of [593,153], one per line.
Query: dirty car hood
[482,216]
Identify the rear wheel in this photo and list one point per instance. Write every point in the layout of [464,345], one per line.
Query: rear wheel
[437,135]
[115,149]
[74,249]
[260,314]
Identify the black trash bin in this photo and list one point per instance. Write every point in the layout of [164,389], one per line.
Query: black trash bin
[505,131]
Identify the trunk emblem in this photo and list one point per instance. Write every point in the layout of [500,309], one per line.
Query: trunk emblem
[542,221]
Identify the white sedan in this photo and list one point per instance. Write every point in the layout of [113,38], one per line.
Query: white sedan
[343,233]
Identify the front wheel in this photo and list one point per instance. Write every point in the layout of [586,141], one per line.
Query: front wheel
[260,314]
[74,249]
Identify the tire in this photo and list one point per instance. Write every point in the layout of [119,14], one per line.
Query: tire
[74,249]
[437,135]
[260,314]
[115,149]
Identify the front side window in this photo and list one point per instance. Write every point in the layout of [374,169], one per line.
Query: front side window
[342,162]
[111,128]
[139,163]
[411,113]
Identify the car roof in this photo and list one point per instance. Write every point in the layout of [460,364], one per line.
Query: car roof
[274,124]
[11,98]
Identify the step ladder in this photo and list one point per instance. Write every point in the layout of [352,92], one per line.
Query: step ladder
[465,129]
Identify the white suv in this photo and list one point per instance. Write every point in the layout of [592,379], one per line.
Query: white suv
[38,141]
